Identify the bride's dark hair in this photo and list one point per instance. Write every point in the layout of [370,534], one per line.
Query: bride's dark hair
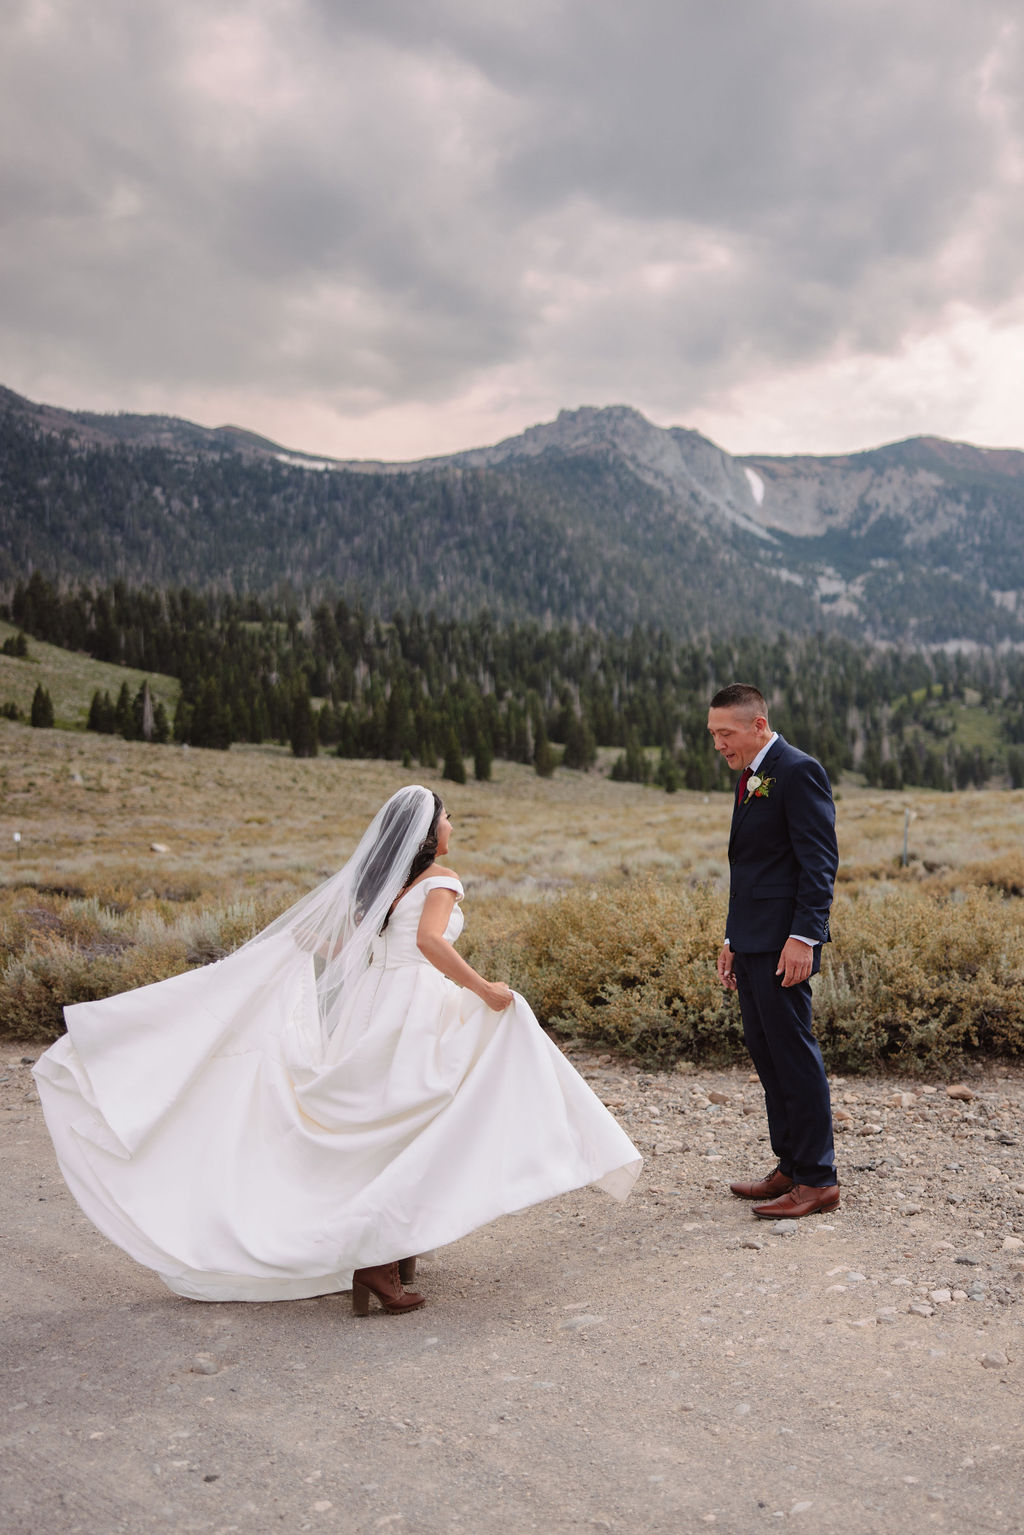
[425,854]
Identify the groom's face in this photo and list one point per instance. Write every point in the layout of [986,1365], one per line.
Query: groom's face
[738,735]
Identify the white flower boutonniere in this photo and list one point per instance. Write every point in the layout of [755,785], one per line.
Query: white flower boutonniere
[758,787]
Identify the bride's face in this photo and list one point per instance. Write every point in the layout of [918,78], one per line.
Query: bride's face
[444,834]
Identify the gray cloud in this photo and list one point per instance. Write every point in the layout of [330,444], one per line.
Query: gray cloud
[376,203]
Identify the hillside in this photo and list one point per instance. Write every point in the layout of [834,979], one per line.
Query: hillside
[71,679]
[598,517]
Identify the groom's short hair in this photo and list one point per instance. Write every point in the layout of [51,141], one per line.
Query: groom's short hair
[741,695]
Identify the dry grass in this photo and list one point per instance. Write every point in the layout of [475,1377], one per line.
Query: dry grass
[603,902]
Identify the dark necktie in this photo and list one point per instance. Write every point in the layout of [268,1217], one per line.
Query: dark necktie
[741,787]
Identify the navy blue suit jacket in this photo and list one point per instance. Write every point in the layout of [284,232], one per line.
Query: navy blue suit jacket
[782,856]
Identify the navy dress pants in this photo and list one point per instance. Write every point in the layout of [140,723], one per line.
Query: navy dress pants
[777,1031]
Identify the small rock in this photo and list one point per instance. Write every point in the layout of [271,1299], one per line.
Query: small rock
[995,1359]
[872,1129]
[1013,1245]
[159,847]
[801,1507]
[742,1409]
[960,1091]
[940,1297]
[842,1116]
[886,1316]
[921,1308]
[970,1258]
[752,1244]
[903,1100]
[959,1294]
[574,1323]
[716,1097]
[202,1364]
[910,1208]
[784,1228]
[854,1278]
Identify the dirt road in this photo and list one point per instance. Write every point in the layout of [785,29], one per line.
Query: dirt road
[666,1366]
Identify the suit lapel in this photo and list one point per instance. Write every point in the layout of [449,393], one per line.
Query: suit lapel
[740,811]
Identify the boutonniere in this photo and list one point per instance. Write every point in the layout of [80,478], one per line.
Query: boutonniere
[758,787]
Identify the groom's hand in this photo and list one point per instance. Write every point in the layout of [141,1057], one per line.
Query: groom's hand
[725,970]
[795,962]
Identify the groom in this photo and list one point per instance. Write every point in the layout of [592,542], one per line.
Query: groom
[782,861]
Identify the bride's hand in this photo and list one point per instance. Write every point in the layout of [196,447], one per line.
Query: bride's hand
[497,995]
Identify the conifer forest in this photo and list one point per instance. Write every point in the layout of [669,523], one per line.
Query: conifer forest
[330,676]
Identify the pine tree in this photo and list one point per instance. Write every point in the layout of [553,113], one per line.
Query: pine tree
[632,766]
[302,731]
[327,728]
[580,746]
[545,759]
[124,724]
[483,757]
[210,722]
[183,712]
[668,775]
[454,765]
[42,708]
[101,713]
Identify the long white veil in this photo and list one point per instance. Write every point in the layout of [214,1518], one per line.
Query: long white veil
[338,921]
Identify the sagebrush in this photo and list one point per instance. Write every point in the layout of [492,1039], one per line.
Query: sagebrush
[917,979]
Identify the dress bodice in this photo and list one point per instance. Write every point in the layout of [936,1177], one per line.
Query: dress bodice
[397,944]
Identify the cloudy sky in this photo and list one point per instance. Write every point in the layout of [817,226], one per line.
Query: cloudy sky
[391,228]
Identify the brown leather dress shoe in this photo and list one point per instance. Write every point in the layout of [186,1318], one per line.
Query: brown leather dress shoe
[769,1188]
[802,1199]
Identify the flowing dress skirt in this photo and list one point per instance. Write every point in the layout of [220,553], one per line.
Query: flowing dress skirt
[207,1127]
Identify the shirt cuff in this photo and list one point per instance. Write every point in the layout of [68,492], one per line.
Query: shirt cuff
[810,942]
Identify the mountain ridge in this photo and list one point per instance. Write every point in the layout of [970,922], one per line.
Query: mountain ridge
[598,515]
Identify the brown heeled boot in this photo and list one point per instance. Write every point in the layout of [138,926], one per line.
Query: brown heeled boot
[407,1270]
[383,1281]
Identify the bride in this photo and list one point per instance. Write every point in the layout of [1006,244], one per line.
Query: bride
[341,1093]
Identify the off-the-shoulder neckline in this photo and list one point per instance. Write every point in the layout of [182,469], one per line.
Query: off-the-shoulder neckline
[443,879]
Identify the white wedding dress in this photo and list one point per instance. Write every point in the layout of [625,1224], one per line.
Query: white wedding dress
[209,1126]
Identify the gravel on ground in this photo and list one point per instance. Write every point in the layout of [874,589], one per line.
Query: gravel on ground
[667,1365]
